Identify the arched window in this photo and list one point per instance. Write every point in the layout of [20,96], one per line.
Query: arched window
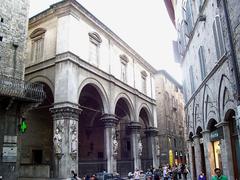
[218,37]
[37,38]
[95,41]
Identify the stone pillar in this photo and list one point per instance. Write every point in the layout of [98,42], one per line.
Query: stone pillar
[65,139]
[111,145]
[226,151]
[136,143]
[153,145]
[208,153]
[190,160]
[197,150]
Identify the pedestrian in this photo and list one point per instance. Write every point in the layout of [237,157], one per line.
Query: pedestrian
[165,172]
[179,172]
[219,175]
[137,174]
[202,176]
[74,176]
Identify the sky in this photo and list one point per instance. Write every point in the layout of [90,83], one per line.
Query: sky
[143,24]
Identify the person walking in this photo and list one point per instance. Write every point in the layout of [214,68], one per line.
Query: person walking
[202,176]
[219,175]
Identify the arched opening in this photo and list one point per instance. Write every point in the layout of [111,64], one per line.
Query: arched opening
[230,117]
[36,158]
[91,132]
[192,160]
[125,155]
[202,155]
[216,134]
[146,158]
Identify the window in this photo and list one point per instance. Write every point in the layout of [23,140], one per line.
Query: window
[37,37]
[1,20]
[191,79]
[1,38]
[124,61]
[95,41]
[144,82]
[200,4]
[202,61]
[188,16]
[37,156]
[218,37]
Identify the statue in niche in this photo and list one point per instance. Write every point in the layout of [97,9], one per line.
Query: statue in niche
[57,140]
[115,145]
[140,147]
[74,138]
[157,148]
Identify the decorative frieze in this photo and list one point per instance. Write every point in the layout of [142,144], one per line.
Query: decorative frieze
[67,112]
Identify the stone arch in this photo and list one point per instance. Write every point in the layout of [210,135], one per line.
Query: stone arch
[43,79]
[129,103]
[199,130]
[190,136]
[225,97]
[100,89]
[144,107]
[211,125]
[209,105]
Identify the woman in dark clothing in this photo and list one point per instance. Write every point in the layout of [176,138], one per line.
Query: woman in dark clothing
[202,176]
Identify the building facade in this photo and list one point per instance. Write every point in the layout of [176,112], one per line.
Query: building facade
[209,54]
[16,95]
[170,116]
[100,110]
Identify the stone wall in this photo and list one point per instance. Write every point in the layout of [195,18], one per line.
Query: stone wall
[13,29]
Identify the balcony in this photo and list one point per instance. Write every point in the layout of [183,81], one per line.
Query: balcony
[20,89]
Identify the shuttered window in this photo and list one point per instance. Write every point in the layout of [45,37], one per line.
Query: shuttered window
[191,79]
[202,61]
[218,37]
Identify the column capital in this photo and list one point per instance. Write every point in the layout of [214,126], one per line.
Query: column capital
[65,112]
[222,123]
[109,120]
[151,131]
[134,126]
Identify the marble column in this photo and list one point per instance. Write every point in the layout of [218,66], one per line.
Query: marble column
[208,153]
[111,145]
[136,143]
[226,150]
[65,139]
[153,145]
[197,153]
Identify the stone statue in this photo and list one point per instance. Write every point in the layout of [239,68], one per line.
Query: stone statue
[57,139]
[115,145]
[157,148]
[74,143]
[140,147]
[74,138]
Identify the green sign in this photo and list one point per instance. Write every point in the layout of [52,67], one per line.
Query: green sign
[23,126]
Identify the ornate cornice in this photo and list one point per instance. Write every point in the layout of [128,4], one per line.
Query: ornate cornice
[60,113]
[109,120]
